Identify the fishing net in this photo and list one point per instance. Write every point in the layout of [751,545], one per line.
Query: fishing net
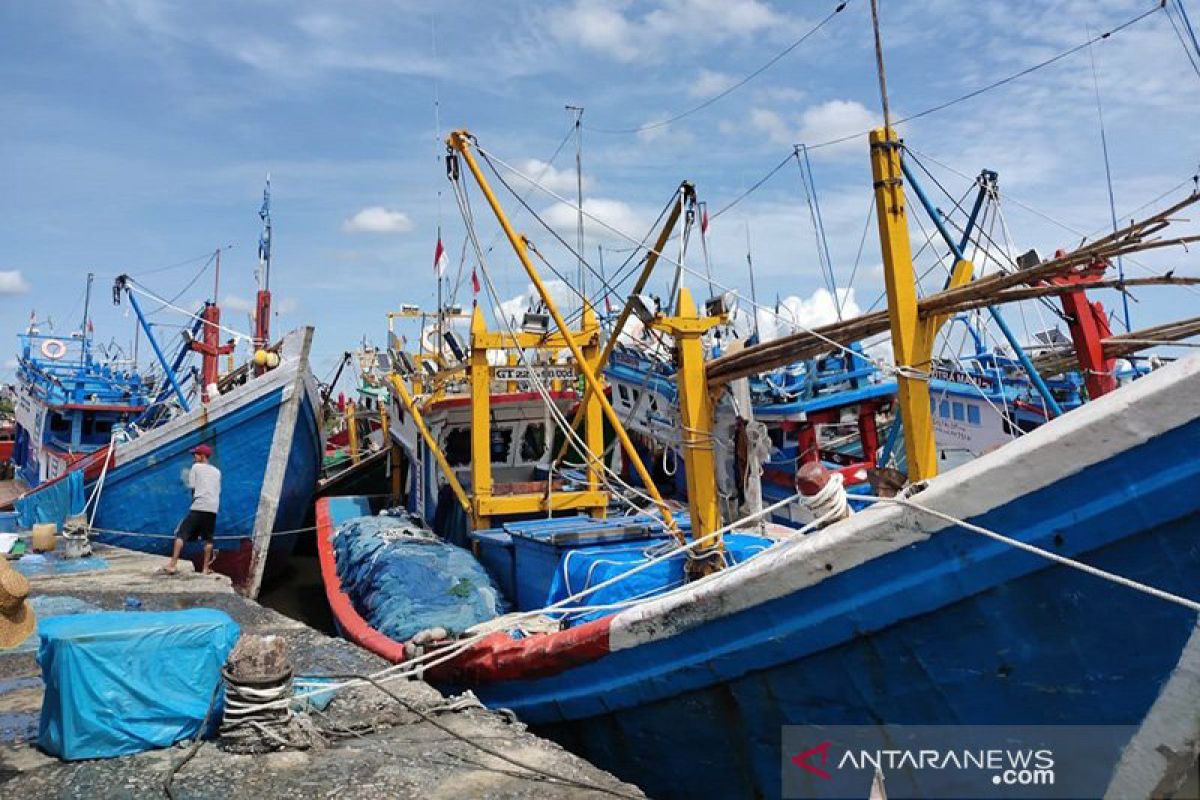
[404,580]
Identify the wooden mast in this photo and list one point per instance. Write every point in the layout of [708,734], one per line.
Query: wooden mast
[909,346]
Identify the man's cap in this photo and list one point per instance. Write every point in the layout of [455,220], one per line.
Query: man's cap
[203,450]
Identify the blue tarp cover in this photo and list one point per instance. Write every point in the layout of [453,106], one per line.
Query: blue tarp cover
[54,503]
[588,566]
[403,583]
[122,682]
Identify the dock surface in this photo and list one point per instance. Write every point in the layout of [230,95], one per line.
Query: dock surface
[401,755]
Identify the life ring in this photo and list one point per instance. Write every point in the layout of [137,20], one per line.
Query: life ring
[54,348]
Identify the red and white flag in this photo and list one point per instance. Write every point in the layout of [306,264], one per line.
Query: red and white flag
[475,287]
[439,258]
[704,220]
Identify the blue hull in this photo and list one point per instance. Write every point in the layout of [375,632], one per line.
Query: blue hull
[954,629]
[148,496]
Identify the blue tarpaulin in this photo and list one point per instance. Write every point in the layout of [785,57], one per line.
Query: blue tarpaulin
[402,580]
[122,682]
[53,503]
[589,566]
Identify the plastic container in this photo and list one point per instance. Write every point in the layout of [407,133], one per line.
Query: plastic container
[494,549]
[539,545]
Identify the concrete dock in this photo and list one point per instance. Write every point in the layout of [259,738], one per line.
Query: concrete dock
[391,751]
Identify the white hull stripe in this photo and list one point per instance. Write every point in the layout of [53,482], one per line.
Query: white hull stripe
[1102,429]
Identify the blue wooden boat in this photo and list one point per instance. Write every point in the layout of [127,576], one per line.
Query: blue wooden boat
[267,441]
[1050,581]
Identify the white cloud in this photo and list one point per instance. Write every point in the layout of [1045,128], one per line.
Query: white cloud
[561,181]
[13,282]
[797,313]
[599,28]
[377,219]
[614,213]
[835,119]
[514,308]
[820,123]
[606,28]
[234,303]
[709,83]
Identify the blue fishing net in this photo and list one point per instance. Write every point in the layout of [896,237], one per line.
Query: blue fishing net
[404,580]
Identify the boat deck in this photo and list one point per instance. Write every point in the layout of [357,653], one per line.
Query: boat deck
[404,757]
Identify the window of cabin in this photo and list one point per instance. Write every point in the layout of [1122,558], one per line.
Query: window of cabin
[457,445]
[533,442]
[776,436]
[59,423]
[623,393]
[501,439]
[944,409]
[973,415]
[958,412]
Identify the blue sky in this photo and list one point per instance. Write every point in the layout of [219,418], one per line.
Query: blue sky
[137,134]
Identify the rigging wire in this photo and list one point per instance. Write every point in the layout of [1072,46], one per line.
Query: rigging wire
[949,103]
[1194,60]
[721,95]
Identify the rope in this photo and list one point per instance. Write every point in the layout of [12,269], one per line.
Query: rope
[494,753]
[1120,580]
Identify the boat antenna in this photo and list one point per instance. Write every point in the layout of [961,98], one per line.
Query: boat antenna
[438,146]
[1112,204]
[883,95]
[87,301]
[577,112]
[753,293]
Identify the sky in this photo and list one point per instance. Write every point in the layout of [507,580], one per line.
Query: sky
[137,136]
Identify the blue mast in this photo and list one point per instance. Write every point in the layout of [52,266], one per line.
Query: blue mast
[120,285]
[957,249]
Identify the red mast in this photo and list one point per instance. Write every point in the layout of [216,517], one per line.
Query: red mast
[262,302]
[209,345]
[1088,324]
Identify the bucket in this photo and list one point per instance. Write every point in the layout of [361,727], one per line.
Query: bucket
[44,537]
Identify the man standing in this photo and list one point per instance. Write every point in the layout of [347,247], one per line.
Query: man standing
[200,522]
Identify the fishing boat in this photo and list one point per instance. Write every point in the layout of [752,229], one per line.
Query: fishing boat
[120,460]
[1049,581]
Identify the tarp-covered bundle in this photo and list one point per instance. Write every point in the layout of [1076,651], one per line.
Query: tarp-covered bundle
[122,682]
[54,503]
[404,580]
[590,566]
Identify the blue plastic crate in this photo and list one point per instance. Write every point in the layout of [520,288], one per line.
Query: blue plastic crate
[494,549]
[539,546]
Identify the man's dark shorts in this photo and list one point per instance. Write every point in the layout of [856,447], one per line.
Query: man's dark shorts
[197,525]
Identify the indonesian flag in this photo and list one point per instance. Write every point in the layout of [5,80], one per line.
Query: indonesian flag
[439,257]
[704,220]
[475,287]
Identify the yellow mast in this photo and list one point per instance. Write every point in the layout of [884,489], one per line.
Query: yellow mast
[912,341]
[696,434]
[459,141]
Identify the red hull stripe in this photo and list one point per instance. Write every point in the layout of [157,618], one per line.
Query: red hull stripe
[495,658]
[353,626]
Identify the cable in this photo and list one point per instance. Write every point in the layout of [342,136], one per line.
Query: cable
[720,96]
[414,709]
[1003,81]
[947,104]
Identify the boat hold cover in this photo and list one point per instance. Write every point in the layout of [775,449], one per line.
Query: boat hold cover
[122,682]
[404,580]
